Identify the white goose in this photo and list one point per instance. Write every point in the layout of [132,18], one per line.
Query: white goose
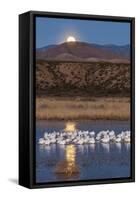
[118,139]
[91,141]
[41,141]
[84,137]
[80,141]
[47,142]
[127,139]
[105,139]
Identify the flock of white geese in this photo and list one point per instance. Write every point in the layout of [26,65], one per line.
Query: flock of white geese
[84,137]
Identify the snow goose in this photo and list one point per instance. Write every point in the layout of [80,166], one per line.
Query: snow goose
[41,141]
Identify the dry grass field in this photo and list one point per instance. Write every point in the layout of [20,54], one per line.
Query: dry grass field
[60,108]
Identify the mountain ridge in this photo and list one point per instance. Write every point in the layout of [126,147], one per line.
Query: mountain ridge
[82,51]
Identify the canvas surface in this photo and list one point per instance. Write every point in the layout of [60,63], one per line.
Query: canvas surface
[83,85]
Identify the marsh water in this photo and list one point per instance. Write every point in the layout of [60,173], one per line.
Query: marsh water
[87,161]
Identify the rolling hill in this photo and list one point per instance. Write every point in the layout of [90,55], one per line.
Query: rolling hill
[82,51]
[60,78]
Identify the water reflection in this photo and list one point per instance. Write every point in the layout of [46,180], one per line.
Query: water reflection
[127,146]
[119,146]
[68,168]
[80,149]
[106,147]
[70,127]
[70,154]
[92,147]
[43,148]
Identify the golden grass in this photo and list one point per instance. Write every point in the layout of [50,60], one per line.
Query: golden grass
[51,108]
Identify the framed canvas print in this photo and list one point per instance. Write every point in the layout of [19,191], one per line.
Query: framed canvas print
[76,99]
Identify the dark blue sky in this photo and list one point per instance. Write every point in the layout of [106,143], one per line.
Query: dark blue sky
[56,30]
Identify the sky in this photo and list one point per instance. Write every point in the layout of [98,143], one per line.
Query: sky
[56,30]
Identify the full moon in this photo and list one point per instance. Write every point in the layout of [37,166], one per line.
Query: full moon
[71,39]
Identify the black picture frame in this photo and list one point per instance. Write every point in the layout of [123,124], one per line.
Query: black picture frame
[27,98]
